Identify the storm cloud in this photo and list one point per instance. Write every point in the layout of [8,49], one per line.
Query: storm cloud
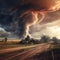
[18,15]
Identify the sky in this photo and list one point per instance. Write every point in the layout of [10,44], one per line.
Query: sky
[50,26]
[49,29]
[27,17]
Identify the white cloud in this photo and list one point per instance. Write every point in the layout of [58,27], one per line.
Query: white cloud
[51,29]
[4,32]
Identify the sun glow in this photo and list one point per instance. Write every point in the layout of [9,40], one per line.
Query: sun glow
[50,29]
[54,31]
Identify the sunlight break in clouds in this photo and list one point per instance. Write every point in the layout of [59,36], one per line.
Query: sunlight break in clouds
[50,29]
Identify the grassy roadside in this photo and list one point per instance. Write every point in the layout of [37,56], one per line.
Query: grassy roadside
[12,44]
[55,51]
[55,46]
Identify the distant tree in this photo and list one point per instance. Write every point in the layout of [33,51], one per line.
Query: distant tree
[55,40]
[31,41]
[22,42]
[27,38]
[44,38]
[34,41]
[25,41]
[5,39]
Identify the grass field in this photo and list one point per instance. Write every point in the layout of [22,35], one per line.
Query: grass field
[55,47]
[12,44]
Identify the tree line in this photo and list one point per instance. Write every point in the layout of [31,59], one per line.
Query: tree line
[43,39]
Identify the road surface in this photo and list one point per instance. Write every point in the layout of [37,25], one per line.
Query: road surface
[34,53]
[15,49]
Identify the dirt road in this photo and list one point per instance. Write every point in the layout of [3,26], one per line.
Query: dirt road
[31,54]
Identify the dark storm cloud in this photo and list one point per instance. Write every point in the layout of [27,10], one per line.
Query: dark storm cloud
[13,17]
[10,12]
